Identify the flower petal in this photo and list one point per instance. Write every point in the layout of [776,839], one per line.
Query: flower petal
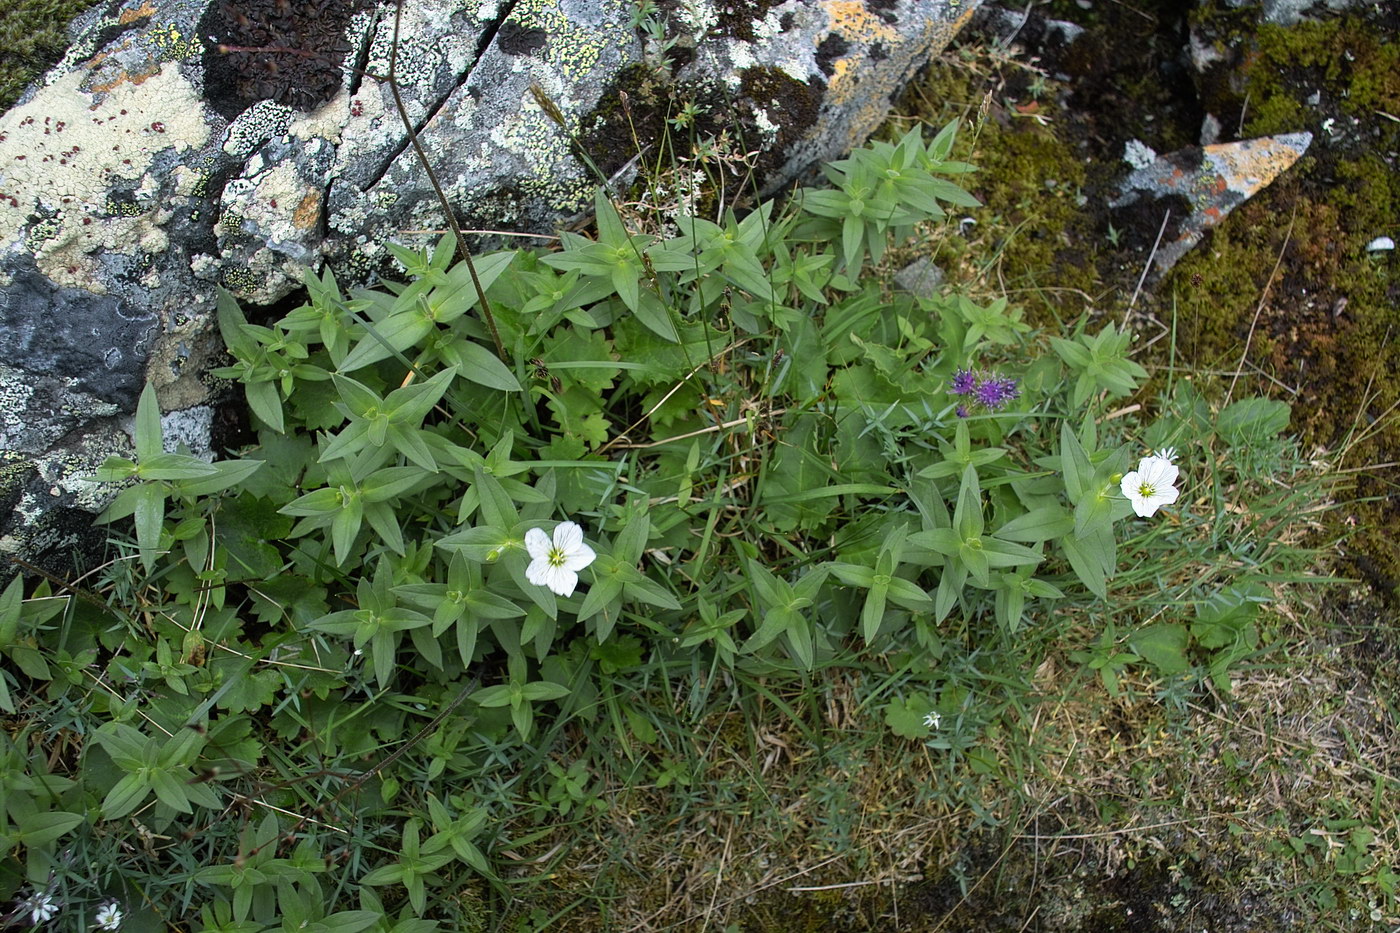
[581,556]
[567,536]
[537,544]
[1158,472]
[538,571]
[561,580]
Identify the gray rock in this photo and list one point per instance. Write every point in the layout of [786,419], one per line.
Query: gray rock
[921,277]
[183,145]
[1288,12]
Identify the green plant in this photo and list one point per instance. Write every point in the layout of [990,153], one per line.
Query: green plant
[780,467]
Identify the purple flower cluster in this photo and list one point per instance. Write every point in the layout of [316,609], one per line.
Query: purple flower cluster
[986,389]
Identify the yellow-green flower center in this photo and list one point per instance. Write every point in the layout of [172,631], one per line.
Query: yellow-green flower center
[1147,490]
[556,557]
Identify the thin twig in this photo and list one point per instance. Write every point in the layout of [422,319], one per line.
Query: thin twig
[1259,308]
[442,197]
[709,430]
[674,389]
[1148,265]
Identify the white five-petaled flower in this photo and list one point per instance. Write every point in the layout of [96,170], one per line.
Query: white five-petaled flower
[556,563]
[932,720]
[109,916]
[41,907]
[1149,487]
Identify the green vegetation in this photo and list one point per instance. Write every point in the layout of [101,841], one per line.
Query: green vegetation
[32,37]
[870,638]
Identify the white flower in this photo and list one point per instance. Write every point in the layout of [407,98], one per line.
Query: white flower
[109,917]
[41,907]
[932,720]
[1166,453]
[1149,487]
[556,563]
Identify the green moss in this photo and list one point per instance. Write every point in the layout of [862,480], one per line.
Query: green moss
[1344,58]
[1332,316]
[32,38]
[1036,230]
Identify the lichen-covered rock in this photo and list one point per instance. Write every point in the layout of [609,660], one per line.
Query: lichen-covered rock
[1194,189]
[183,145]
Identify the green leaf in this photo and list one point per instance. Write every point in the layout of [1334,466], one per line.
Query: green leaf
[126,796]
[1037,525]
[771,591]
[174,467]
[1252,420]
[348,921]
[873,612]
[227,474]
[480,365]
[967,517]
[1074,463]
[391,336]
[385,874]
[149,443]
[483,544]
[906,717]
[148,514]
[1085,558]
[37,829]
[266,403]
[657,317]
[1163,645]
[170,791]
[603,591]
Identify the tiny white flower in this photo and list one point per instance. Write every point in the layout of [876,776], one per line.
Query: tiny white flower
[556,563]
[1149,487]
[41,907]
[1166,453]
[109,916]
[932,720]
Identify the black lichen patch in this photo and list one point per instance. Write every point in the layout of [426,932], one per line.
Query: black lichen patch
[830,49]
[636,113]
[290,51]
[1139,221]
[734,19]
[1129,73]
[515,39]
[883,9]
[99,341]
[791,104]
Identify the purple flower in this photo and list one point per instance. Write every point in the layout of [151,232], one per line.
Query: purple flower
[963,382]
[994,393]
[962,411]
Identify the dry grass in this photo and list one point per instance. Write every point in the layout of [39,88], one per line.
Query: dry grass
[1128,806]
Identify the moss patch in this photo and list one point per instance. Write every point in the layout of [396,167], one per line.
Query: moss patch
[33,36]
[1330,323]
[1049,151]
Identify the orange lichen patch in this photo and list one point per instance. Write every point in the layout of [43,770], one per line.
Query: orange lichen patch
[133,77]
[851,20]
[308,212]
[1248,166]
[144,10]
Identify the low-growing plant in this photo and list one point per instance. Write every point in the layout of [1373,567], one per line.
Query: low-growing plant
[359,645]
